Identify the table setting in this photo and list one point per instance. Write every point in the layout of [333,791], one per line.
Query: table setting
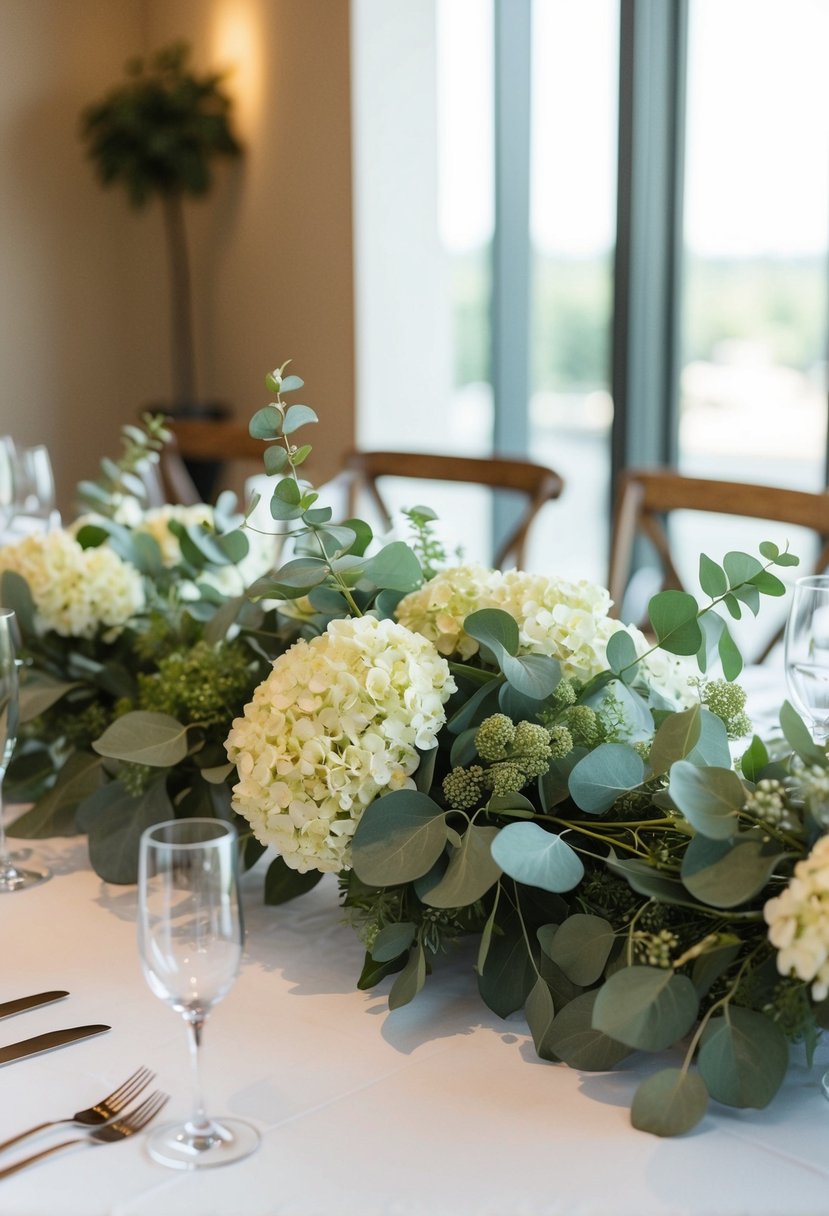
[470,898]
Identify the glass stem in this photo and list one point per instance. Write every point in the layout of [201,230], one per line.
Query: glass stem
[7,867]
[199,1125]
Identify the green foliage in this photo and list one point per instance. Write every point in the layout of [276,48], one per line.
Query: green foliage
[159,131]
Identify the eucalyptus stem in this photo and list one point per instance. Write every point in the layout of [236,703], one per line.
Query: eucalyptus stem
[724,1000]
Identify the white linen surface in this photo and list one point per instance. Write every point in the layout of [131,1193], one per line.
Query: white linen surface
[438,1109]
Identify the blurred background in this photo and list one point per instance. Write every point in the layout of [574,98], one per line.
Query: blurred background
[592,233]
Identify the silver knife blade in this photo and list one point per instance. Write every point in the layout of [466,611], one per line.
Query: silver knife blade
[48,1042]
[7,1008]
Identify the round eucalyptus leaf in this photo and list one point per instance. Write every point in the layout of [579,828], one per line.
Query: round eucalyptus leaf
[709,798]
[602,775]
[621,654]
[581,947]
[399,837]
[646,1007]
[144,737]
[669,1103]
[673,616]
[297,416]
[533,675]
[542,859]
[726,873]
[282,883]
[472,870]
[395,567]
[743,1058]
[574,1040]
[266,423]
[494,629]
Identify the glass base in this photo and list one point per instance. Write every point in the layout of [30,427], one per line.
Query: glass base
[181,1147]
[16,878]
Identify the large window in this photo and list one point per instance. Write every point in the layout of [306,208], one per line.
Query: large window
[575,52]
[740,387]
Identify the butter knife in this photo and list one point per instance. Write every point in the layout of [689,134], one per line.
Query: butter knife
[7,1008]
[48,1042]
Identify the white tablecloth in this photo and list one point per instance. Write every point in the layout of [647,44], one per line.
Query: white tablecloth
[438,1109]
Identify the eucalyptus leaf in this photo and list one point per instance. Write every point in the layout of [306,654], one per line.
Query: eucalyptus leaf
[727,873]
[399,837]
[297,416]
[39,691]
[656,884]
[532,675]
[673,617]
[648,1008]
[144,737]
[669,1103]
[709,798]
[712,577]
[743,1058]
[395,567]
[730,657]
[495,629]
[283,883]
[581,947]
[114,821]
[471,872]
[711,964]
[712,747]
[290,384]
[603,774]
[275,458]
[529,854]
[508,974]
[486,934]
[574,1040]
[410,980]
[555,783]
[797,736]
[621,654]
[392,941]
[266,423]
[754,759]
[677,735]
[55,813]
[539,1011]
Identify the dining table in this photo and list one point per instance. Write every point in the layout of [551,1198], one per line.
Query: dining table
[438,1108]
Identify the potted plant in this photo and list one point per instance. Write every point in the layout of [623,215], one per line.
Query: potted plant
[157,134]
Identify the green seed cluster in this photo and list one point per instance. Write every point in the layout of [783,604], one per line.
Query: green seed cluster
[205,684]
[767,803]
[464,788]
[728,702]
[136,778]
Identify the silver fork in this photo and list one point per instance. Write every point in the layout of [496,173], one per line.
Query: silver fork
[101,1112]
[108,1133]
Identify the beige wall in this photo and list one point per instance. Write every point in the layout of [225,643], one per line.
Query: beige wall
[83,332]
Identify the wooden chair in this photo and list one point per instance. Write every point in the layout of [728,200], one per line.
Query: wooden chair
[204,443]
[536,483]
[645,497]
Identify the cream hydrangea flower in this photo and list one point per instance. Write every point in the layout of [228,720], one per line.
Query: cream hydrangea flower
[336,723]
[230,580]
[566,620]
[76,591]
[798,921]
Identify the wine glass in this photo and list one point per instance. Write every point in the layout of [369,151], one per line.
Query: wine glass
[12,876]
[34,490]
[807,652]
[8,463]
[190,943]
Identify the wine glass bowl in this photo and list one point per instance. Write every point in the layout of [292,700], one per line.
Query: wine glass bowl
[13,877]
[190,940]
[806,649]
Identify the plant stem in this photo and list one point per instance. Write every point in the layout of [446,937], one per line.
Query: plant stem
[181,312]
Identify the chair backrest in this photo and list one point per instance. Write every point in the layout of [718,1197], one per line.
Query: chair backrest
[645,497]
[204,442]
[537,483]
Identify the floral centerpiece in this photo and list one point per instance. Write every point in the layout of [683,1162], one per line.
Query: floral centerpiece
[477,753]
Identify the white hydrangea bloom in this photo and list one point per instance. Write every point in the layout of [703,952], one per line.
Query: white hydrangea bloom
[566,620]
[230,580]
[336,723]
[76,591]
[798,921]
